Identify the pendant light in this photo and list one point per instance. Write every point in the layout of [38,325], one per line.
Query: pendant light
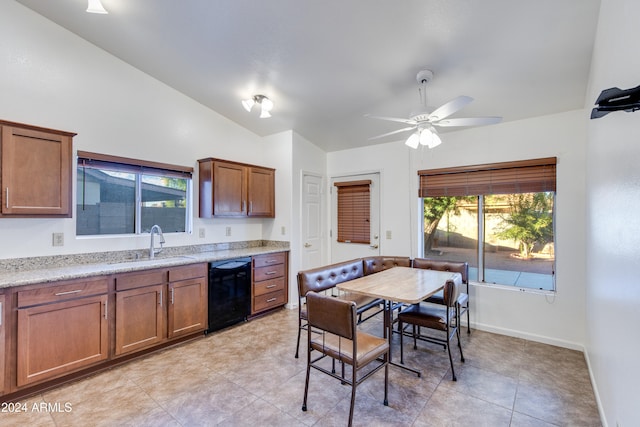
[266,105]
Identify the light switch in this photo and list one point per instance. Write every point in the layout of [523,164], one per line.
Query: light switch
[388,234]
[283,230]
[201,233]
[227,231]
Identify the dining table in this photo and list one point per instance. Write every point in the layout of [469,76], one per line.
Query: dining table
[398,285]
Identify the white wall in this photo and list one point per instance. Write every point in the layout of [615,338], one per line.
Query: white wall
[613,220]
[54,79]
[555,319]
[307,158]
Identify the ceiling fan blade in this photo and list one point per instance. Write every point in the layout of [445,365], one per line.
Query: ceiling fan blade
[392,133]
[393,119]
[449,108]
[470,121]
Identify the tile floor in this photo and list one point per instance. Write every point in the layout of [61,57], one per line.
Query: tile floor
[247,376]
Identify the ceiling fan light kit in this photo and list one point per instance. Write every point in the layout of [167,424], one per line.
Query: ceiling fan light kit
[94,6]
[424,120]
[266,105]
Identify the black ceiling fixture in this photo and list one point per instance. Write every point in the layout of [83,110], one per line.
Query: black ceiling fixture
[615,99]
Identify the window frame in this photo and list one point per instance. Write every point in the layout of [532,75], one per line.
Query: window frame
[139,168]
[524,176]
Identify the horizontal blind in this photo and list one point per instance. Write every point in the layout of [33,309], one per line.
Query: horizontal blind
[353,211]
[526,176]
[123,164]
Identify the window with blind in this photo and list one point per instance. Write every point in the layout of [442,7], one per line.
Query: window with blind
[499,217]
[117,195]
[354,225]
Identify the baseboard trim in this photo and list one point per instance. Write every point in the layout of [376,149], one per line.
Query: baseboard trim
[594,384]
[527,336]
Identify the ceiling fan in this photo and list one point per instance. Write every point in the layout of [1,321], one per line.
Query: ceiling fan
[424,120]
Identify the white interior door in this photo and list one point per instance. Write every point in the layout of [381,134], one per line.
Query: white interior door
[311,221]
[343,251]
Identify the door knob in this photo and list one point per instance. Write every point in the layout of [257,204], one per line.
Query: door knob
[374,246]
[307,245]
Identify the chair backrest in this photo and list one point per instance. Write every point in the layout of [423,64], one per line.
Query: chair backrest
[444,265]
[333,315]
[452,291]
[326,277]
[375,264]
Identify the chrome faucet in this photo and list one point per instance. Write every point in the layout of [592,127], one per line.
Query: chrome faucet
[153,251]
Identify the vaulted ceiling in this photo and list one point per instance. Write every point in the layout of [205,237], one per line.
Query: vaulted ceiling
[325,64]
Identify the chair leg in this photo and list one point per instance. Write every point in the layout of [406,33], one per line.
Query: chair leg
[353,394]
[468,319]
[415,340]
[299,333]
[386,378]
[453,371]
[401,346]
[306,383]
[459,345]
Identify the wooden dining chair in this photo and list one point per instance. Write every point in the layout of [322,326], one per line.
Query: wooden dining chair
[454,266]
[335,335]
[439,317]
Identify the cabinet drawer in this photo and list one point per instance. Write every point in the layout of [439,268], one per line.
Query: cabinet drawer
[62,292]
[267,286]
[267,273]
[137,280]
[266,301]
[187,272]
[268,259]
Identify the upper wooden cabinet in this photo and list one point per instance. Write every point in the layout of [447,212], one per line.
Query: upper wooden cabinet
[36,171]
[231,189]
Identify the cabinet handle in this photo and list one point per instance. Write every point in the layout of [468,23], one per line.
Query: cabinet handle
[270,273]
[250,206]
[271,299]
[271,286]
[68,292]
[172,294]
[271,261]
[105,308]
[244,205]
[160,302]
[6,198]
[0,314]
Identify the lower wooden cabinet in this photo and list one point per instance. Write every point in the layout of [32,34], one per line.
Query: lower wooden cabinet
[156,305]
[187,307]
[58,338]
[140,318]
[269,282]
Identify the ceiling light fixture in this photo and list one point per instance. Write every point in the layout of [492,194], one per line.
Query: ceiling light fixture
[424,136]
[94,6]
[266,105]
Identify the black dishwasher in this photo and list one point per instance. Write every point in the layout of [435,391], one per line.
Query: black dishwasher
[229,292]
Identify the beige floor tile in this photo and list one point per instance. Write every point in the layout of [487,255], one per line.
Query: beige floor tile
[247,375]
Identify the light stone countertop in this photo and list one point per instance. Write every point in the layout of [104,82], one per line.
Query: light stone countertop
[77,271]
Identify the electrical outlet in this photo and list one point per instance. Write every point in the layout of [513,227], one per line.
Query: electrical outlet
[228,231]
[388,234]
[283,230]
[58,239]
[201,233]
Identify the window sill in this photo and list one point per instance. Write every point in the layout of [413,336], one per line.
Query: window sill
[513,288]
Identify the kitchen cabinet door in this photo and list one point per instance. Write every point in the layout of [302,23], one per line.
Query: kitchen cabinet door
[55,339]
[229,189]
[140,318]
[36,172]
[187,309]
[261,192]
